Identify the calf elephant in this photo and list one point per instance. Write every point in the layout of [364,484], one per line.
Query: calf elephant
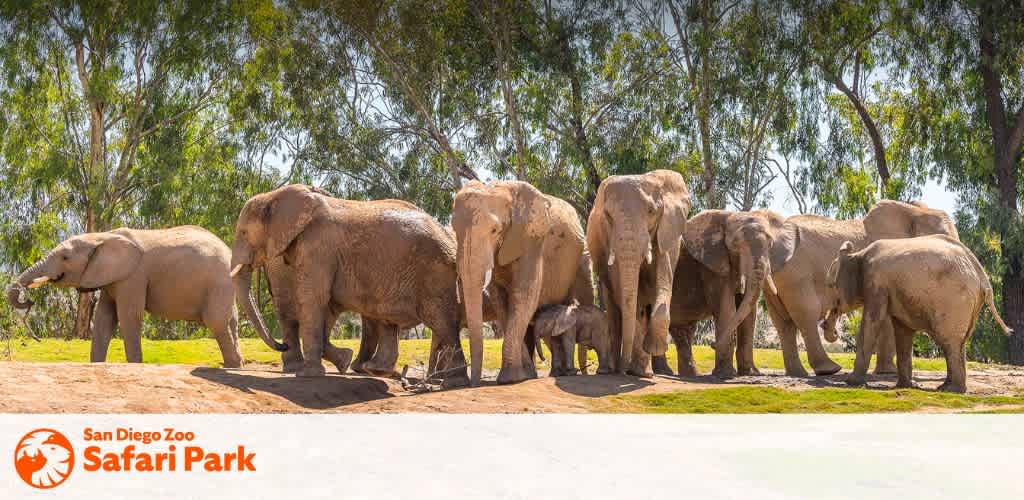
[531,245]
[931,283]
[803,298]
[727,257]
[181,273]
[634,235]
[566,328]
[385,260]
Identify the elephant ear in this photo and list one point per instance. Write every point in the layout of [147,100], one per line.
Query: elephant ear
[675,207]
[528,224]
[113,259]
[705,240]
[288,214]
[787,239]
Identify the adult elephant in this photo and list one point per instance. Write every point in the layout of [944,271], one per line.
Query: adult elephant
[634,235]
[531,245]
[180,273]
[385,260]
[727,257]
[803,297]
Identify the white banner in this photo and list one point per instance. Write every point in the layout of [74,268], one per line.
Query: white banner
[413,456]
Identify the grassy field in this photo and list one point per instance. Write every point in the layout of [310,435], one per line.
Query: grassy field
[205,352]
[823,400]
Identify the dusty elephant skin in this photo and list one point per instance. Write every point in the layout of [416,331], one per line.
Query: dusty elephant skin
[563,328]
[931,283]
[803,298]
[527,250]
[181,273]
[634,235]
[386,260]
[727,258]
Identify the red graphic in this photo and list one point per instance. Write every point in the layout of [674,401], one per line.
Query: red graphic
[44,458]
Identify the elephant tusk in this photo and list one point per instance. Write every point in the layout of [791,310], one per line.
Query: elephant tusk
[771,284]
[458,294]
[487,278]
[743,284]
[611,258]
[236,270]
[821,327]
[38,282]
[650,254]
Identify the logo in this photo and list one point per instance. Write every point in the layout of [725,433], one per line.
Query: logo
[44,458]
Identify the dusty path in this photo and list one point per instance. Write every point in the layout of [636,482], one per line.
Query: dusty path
[124,388]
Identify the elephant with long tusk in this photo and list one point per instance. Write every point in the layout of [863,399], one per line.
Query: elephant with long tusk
[178,273]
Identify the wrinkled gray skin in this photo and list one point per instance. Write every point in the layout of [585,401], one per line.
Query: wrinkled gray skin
[803,298]
[932,283]
[179,273]
[564,328]
[634,235]
[385,260]
[727,258]
[283,291]
[529,248]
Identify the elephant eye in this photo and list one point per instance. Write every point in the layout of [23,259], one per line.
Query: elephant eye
[494,230]
[65,257]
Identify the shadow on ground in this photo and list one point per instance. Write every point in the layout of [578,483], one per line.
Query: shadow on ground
[316,393]
[595,386]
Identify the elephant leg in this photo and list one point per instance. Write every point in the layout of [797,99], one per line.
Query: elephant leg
[904,340]
[104,321]
[311,335]
[517,364]
[382,364]
[786,329]
[340,357]
[641,363]
[367,344]
[806,320]
[291,360]
[876,322]
[725,342]
[745,346]
[614,317]
[659,364]
[682,337]
[226,334]
[447,360]
[956,363]
[886,350]
[569,349]
[129,316]
[557,363]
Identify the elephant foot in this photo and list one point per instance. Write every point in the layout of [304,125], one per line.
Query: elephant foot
[455,379]
[885,368]
[233,363]
[748,370]
[828,367]
[604,371]
[855,380]
[660,366]
[512,374]
[359,367]
[341,359]
[379,370]
[951,387]
[724,372]
[906,384]
[687,370]
[291,366]
[312,370]
[796,372]
[642,373]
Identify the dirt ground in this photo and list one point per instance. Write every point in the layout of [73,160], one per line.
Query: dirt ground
[124,388]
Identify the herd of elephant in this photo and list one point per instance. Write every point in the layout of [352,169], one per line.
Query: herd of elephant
[521,259]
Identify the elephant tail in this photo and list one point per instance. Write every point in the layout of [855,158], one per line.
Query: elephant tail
[992,308]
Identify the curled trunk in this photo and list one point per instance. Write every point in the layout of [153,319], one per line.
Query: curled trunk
[23,280]
[243,294]
[754,284]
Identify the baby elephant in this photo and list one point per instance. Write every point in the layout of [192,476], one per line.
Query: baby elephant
[930,283]
[565,327]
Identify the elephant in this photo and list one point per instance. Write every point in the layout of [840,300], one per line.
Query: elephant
[802,297]
[179,273]
[634,234]
[386,260]
[563,328]
[532,246]
[726,259]
[930,283]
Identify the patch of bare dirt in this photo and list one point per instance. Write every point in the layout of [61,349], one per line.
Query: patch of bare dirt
[128,388]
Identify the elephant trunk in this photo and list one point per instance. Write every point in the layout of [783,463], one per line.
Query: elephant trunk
[30,276]
[629,278]
[474,275]
[243,294]
[750,294]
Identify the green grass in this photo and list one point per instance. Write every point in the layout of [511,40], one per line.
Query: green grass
[824,400]
[204,351]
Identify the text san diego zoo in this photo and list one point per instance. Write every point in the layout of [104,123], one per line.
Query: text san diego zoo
[125,449]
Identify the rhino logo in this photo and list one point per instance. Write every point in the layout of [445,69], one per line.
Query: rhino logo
[44,458]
